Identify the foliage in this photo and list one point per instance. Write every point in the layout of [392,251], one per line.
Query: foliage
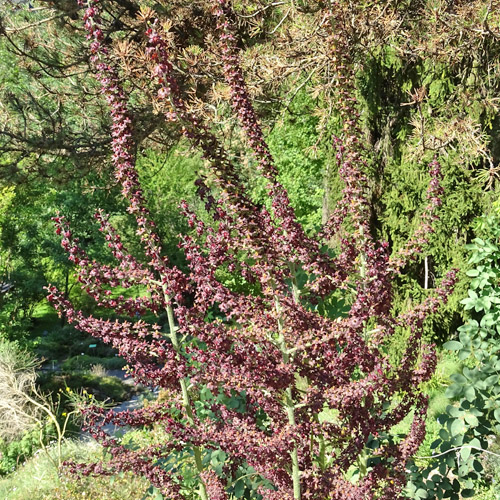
[37,479]
[62,342]
[167,179]
[293,142]
[30,253]
[103,388]
[421,94]
[25,411]
[475,415]
[15,452]
[45,136]
[86,362]
[64,133]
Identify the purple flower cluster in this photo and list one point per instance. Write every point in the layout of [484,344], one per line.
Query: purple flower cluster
[324,385]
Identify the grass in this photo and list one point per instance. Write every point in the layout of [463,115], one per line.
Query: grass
[38,479]
[43,316]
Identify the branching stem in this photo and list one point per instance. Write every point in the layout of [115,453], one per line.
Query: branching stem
[290,409]
[185,394]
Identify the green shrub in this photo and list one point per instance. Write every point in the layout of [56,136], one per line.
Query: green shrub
[16,452]
[474,416]
[59,342]
[86,362]
[101,388]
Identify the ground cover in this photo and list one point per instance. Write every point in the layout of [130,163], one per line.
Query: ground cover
[38,479]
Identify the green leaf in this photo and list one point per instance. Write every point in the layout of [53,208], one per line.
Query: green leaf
[465,453]
[470,393]
[454,411]
[468,303]
[476,465]
[445,483]
[458,378]
[488,320]
[457,427]
[443,434]
[239,489]
[471,420]
[435,444]
[465,339]
[496,414]
[453,345]
[475,443]
[453,391]
[421,493]
[469,484]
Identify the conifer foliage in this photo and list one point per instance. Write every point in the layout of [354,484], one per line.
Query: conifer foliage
[316,393]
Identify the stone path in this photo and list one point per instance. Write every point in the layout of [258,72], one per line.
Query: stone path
[131,404]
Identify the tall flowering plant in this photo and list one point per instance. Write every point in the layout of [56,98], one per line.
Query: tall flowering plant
[318,395]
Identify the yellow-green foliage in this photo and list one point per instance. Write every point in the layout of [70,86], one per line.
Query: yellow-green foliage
[38,479]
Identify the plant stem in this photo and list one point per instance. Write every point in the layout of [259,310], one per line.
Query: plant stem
[53,418]
[294,455]
[185,396]
[289,406]
[426,276]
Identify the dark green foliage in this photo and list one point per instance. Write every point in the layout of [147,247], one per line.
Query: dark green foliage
[58,343]
[30,252]
[413,108]
[294,144]
[403,201]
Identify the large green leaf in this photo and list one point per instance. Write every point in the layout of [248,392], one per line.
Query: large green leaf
[453,345]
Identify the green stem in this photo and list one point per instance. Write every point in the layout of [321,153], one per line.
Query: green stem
[322,447]
[185,397]
[322,453]
[294,455]
[289,407]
